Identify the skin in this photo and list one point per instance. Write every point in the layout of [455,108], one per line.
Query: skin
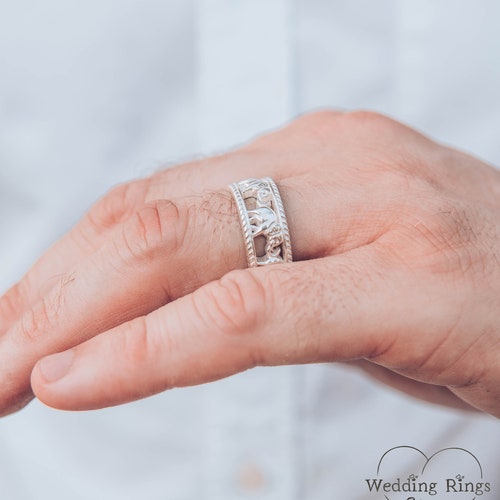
[397,270]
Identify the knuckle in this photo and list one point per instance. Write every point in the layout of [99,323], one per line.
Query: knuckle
[166,227]
[36,322]
[380,132]
[319,125]
[388,143]
[44,315]
[326,126]
[375,123]
[116,206]
[235,305]
[136,342]
[142,345]
[159,225]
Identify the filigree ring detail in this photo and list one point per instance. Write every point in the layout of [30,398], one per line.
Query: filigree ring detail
[263,221]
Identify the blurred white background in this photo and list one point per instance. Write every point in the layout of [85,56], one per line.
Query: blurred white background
[93,93]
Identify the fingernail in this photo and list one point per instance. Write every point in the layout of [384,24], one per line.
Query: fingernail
[56,366]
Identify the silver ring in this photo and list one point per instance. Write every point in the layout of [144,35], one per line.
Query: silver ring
[263,221]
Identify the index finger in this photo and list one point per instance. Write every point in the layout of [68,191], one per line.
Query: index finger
[86,237]
[121,202]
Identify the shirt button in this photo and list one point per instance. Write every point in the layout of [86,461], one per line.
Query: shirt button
[251,478]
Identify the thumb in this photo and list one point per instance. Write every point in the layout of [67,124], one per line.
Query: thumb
[329,309]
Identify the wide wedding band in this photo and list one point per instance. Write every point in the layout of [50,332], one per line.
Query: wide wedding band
[263,222]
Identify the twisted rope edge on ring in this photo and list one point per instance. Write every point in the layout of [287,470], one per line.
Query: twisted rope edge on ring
[287,247]
[266,226]
[245,225]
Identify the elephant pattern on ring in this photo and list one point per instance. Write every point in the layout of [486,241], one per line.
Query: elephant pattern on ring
[264,219]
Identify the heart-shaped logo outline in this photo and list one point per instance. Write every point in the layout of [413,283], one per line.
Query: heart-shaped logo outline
[428,459]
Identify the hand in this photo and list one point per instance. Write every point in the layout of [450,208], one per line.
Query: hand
[396,241]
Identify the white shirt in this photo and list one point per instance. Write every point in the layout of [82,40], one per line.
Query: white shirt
[96,92]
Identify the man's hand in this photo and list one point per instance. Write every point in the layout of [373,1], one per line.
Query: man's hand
[396,241]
